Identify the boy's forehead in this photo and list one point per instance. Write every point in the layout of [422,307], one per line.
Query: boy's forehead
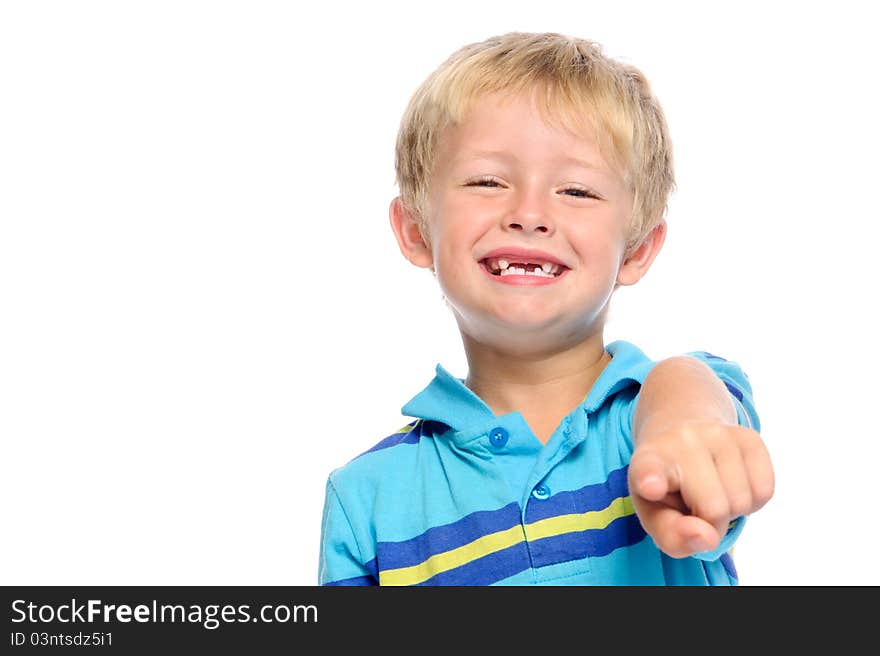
[490,113]
[553,110]
[486,130]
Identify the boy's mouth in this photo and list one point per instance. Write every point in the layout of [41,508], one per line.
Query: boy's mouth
[508,266]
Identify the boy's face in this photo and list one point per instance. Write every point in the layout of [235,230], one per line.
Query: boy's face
[526,226]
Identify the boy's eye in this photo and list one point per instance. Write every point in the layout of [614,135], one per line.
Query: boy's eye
[484,182]
[574,192]
[579,193]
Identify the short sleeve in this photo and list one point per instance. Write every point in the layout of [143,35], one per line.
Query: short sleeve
[737,383]
[340,561]
[730,373]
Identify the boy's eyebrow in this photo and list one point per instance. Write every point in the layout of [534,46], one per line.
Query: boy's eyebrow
[504,155]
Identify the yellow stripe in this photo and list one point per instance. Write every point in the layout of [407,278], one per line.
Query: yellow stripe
[453,558]
[545,528]
[407,428]
[493,542]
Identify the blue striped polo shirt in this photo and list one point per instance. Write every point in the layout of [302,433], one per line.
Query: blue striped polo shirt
[460,496]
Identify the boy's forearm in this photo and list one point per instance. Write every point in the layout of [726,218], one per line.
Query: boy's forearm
[681,390]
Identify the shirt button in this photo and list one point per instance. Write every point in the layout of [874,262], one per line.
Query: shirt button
[498,437]
[541,492]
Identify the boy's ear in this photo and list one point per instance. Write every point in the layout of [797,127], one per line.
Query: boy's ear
[409,237]
[637,262]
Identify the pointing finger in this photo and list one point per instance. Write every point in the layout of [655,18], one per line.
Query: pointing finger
[674,533]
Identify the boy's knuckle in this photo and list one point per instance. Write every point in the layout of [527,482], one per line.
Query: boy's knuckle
[749,437]
[763,492]
[715,511]
[741,504]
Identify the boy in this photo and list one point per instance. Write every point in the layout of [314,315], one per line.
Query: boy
[534,173]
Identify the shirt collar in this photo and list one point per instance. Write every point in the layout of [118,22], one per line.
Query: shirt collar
[449,401]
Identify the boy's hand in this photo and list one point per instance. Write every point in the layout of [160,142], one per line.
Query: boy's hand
[689,481]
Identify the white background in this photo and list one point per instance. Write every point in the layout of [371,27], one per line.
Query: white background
[203,309]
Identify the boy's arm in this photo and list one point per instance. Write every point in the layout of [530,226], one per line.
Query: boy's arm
[693,469]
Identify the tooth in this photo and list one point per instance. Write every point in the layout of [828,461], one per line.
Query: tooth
[503,264]
[547,266]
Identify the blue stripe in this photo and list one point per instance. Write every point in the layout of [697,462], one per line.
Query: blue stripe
[586,499]
[734,390]
[594,542]
[418,429]
[487,570]
[410,437]
[368,579]
[438,539]
[357,580]
[727,560]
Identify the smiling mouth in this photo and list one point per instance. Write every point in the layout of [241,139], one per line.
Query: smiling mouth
[499,266]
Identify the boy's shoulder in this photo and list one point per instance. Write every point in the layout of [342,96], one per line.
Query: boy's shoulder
[392,451]
[412,432]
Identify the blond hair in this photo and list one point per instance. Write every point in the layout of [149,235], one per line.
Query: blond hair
[574,84]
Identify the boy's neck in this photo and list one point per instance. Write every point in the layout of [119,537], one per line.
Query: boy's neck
[543,387]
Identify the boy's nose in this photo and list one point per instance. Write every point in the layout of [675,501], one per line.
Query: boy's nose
[529,226]
[529,215]
[530,221]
